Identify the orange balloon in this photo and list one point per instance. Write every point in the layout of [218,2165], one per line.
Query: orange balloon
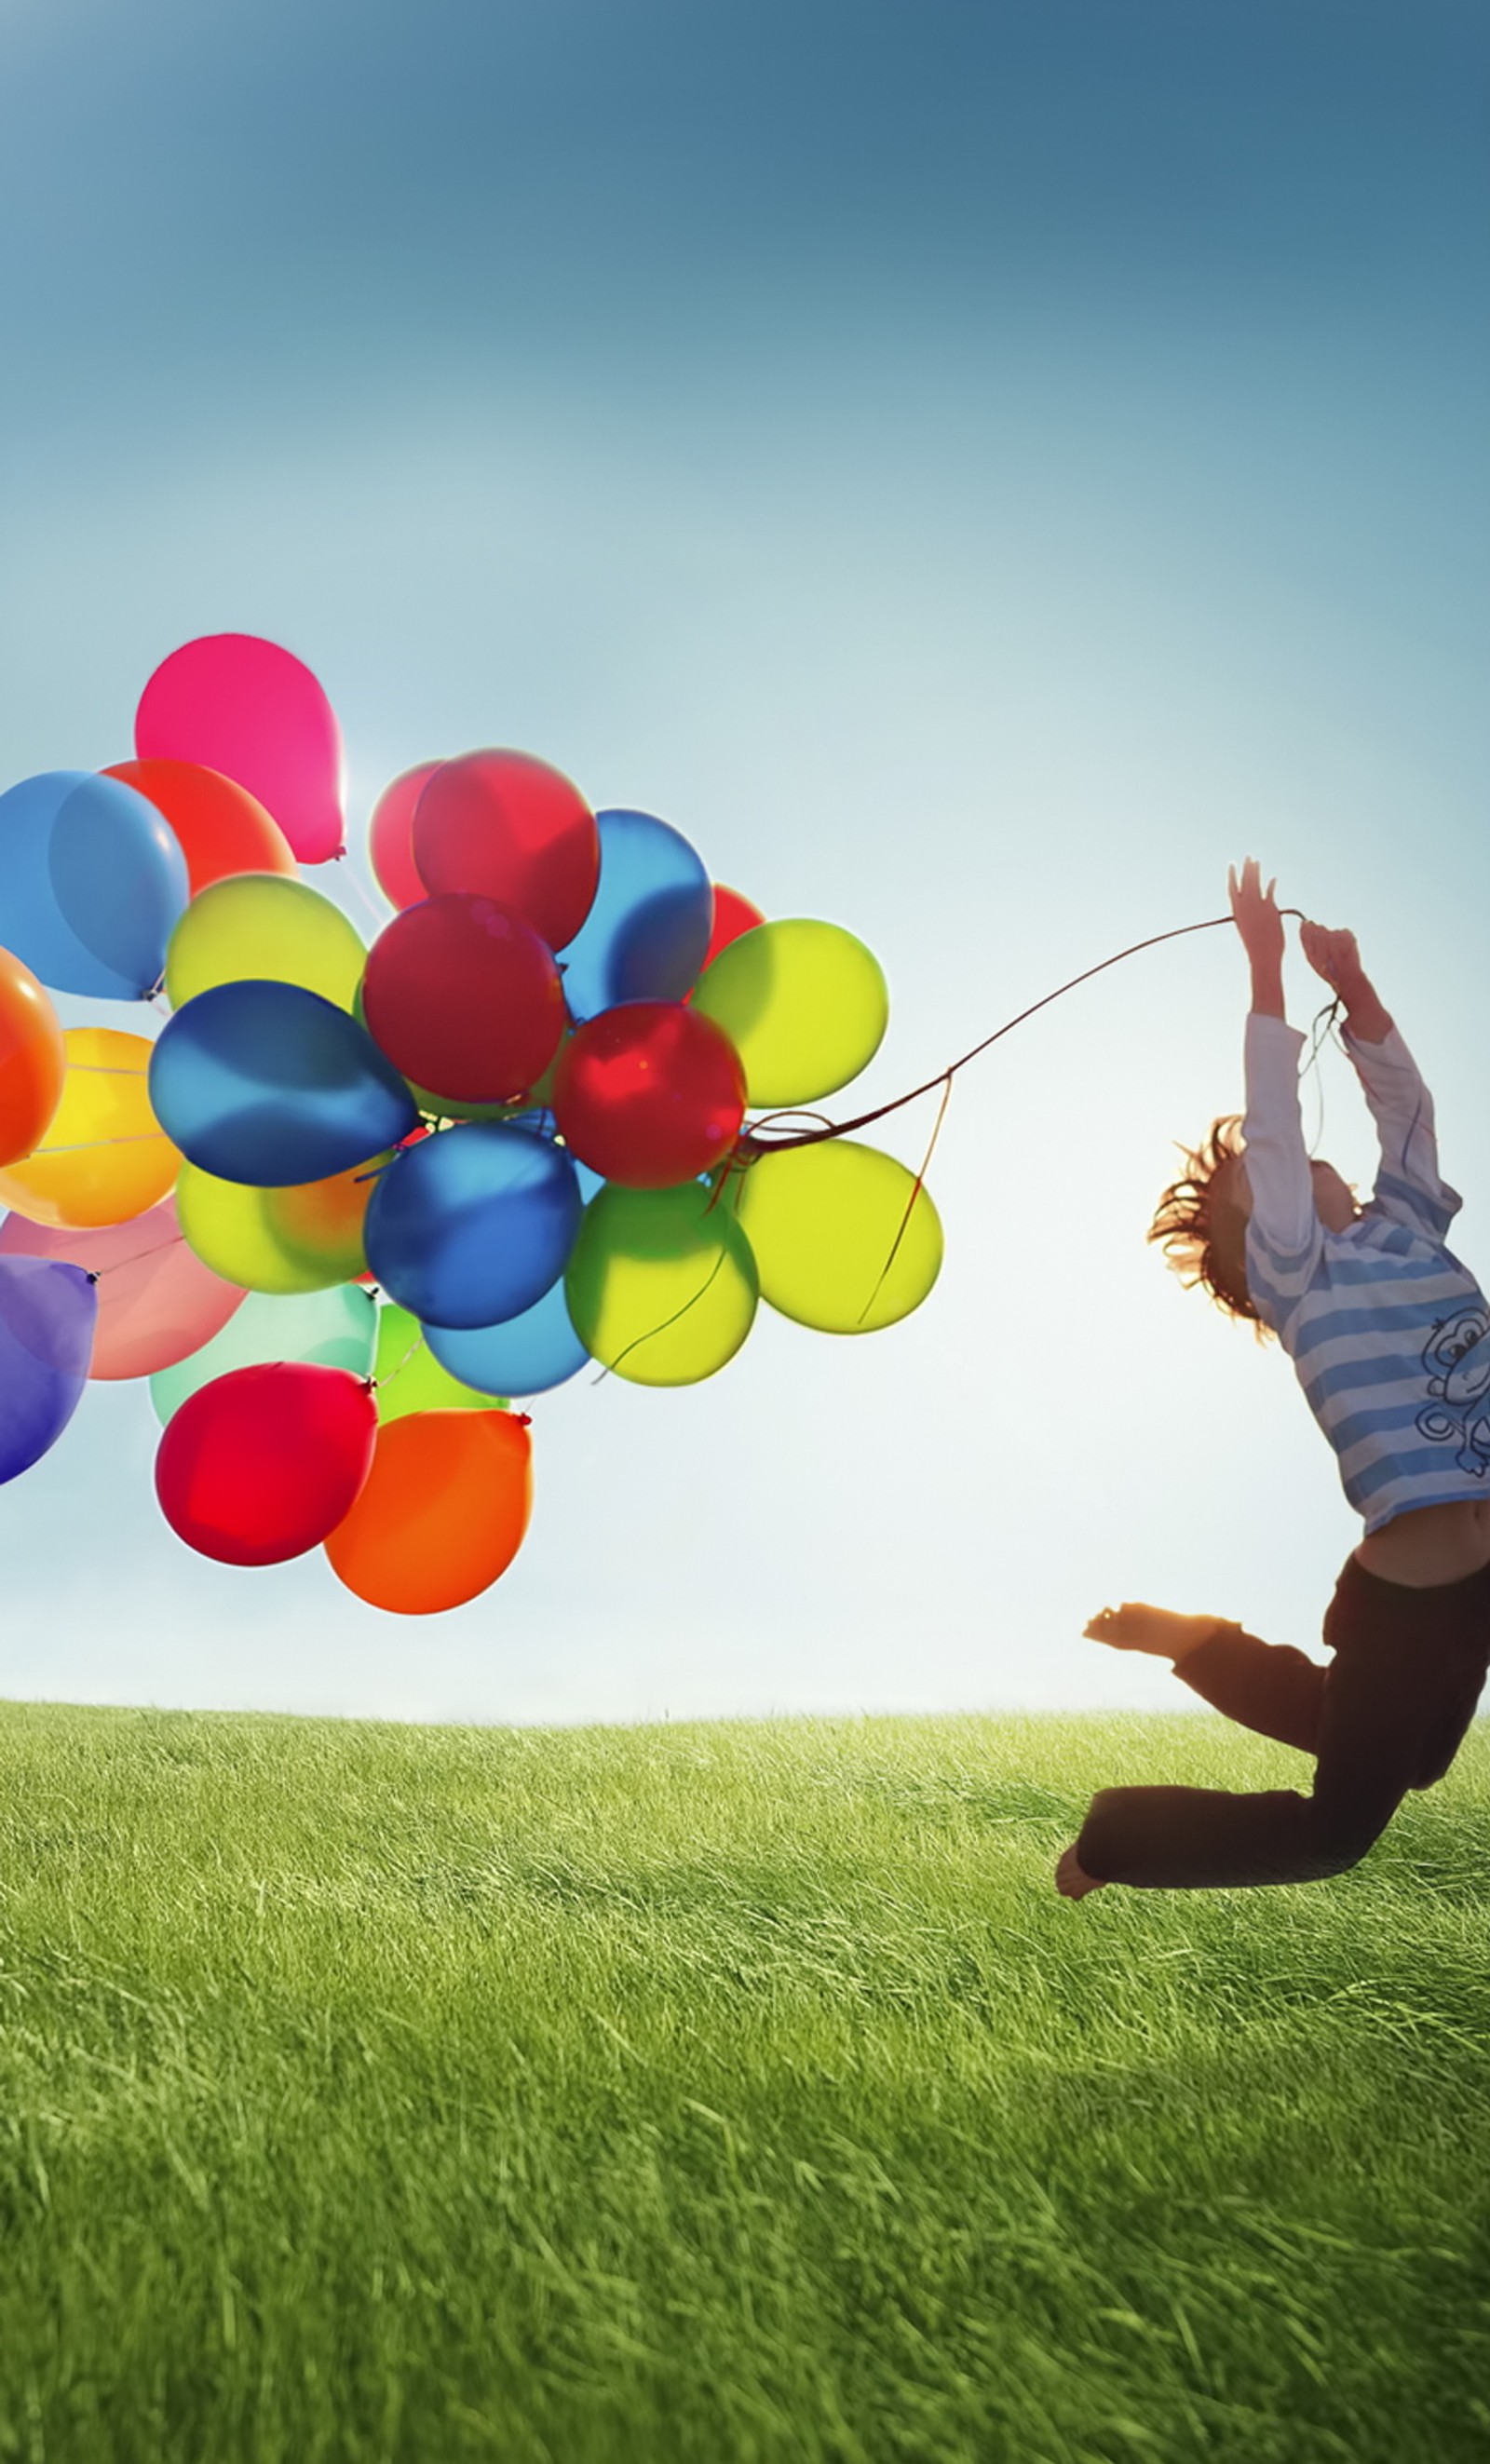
[222,829]
[33,1059]
[443,1511]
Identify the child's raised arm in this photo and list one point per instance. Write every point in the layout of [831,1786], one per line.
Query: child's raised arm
[1335,958]
[1261,929]
[1283,1231]
[1408,1187]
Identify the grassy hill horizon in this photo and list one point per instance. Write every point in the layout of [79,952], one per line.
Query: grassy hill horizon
[721,2090]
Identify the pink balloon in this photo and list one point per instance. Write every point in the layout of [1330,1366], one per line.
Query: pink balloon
[157,1302]
[254,711]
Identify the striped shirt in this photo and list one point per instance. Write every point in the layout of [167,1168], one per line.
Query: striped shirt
[1389,1333]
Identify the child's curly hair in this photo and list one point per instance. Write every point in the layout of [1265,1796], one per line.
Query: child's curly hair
[1204,1238]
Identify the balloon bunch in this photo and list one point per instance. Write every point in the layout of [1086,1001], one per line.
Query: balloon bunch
[351,1200]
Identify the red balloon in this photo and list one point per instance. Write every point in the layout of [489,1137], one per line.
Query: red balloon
[222,829]
[390,840]
[512,827]
[649,1093]
[262,1464]
[732,916]
[464,999]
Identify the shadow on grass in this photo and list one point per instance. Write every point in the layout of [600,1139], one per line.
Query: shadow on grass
[1019,1802]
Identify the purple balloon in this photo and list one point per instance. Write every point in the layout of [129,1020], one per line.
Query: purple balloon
[48,1312]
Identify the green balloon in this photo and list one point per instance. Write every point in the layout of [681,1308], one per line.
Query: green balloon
[409,1378]
[337,1328]
[662,1285]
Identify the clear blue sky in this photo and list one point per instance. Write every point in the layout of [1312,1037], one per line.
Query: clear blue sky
[975,469]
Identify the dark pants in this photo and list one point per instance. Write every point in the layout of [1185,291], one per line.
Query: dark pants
[1388,1714]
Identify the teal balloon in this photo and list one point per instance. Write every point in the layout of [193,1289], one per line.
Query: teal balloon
[334,1330]
[92,881]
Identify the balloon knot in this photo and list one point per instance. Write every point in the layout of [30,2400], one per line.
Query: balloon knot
[91,1274]
[524,1420]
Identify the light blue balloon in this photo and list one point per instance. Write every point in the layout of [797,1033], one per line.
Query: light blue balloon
[523,1355]
[589,1182]
[337,1328]
[646,935]
[92,881]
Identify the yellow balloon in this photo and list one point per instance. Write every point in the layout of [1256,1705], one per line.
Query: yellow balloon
[105,1157]
[262,924]
[825,1222]
[662,1286]
[804,1004]
[302,1238]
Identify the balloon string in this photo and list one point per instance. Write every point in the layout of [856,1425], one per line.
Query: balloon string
[1319,1035]
[156,1249]
[630,1348]
[102,1069]
[86,1146]
[918,1185]
[350,876]
[418,1345]
[752,1146]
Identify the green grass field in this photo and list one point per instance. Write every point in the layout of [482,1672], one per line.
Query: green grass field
[729,2093]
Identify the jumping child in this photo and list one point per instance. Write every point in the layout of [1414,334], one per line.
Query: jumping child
[1390,1336]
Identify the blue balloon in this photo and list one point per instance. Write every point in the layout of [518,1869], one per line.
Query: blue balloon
[646,936]
[523,1355]
[472,1225]
[48,1312]
[268,1084]
[92,880]
[589,1182]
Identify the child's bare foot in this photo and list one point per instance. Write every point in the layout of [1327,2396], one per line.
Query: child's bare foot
[1071,1881]
[1135,1626]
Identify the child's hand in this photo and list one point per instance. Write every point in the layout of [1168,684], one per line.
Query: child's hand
[1333,956]
[1258,919]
